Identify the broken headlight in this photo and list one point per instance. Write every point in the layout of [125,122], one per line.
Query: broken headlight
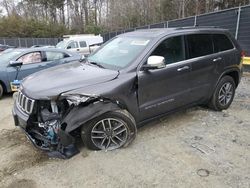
[76,99]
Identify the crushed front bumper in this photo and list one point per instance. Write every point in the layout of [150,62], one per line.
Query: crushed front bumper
[64,149]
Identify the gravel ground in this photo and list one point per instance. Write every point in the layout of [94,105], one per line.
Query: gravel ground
[194,148]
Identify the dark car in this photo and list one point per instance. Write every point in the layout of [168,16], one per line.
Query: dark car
[5,47]
[132,79]
[16,64]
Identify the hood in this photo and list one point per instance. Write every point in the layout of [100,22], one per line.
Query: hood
[52,82]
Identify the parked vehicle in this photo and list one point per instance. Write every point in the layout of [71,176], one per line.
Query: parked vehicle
[5,47]
[83,44]
[132,79]
[19,63]
[7,51]
[42,46]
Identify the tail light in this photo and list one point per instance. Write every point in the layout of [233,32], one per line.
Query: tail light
[243,54]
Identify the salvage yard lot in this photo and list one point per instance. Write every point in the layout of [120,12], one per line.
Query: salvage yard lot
[193,148]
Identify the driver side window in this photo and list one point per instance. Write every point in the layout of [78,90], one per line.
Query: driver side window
[172,49]
[33,57]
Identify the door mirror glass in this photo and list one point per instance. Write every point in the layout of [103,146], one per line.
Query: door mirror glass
[155,62]
[16,63]
[68,47]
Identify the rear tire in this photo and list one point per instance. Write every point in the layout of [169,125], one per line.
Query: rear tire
[109,131]
[1,91]
[223,94]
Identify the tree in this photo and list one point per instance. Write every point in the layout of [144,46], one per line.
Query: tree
[58,17]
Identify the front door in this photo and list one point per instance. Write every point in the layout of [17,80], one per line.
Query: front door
[166,89]
[32,62]
[73,46]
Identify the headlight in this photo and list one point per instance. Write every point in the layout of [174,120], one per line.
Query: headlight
[76,99]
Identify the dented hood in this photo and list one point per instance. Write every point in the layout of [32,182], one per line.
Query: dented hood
[52,82]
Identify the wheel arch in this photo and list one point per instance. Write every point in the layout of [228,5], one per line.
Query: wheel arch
[4,86]
[234,73]
[80,115]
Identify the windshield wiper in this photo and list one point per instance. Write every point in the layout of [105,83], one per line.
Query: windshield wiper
[95,63]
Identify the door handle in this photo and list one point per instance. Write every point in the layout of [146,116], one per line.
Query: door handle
[78,49]
[183,68]
[217,59]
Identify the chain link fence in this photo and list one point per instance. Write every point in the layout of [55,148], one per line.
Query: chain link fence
[236,20]
[28,42]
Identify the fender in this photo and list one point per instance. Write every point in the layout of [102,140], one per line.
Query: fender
[225,72]
[228,71]
[82,114]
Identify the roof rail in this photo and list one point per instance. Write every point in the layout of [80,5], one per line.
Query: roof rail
[197,26]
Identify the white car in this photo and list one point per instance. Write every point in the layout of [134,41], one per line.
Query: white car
[83,44]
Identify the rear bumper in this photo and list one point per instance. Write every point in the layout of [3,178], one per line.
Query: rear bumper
[64,149]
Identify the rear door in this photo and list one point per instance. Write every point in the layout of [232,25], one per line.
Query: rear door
[54,58]
[165,89]
[84,48]
[205,64]
[224,49]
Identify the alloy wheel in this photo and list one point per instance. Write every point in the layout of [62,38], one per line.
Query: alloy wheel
[109,134]
[225,94]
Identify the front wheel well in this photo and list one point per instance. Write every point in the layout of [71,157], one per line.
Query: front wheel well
[4,87]
[234,75]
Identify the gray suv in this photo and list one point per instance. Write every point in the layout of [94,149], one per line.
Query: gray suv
[130,80]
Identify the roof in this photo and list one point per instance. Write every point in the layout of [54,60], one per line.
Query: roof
[156,32]
[27,50]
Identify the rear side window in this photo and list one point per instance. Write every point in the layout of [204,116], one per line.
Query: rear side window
[83,44]
[172,49]
[222,43]
[51,56]
[199,45]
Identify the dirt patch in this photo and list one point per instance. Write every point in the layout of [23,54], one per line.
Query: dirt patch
[21,154]
[23,183]
[11,138]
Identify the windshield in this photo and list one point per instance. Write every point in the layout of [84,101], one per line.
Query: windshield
[61,44]
[119,52]
[5,57]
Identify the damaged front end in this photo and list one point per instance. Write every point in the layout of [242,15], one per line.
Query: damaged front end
[51,125]
[44,128]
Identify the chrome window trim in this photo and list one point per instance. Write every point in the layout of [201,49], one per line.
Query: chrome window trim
[23,101]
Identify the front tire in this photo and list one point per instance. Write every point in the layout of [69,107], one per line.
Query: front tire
[109,131]
[223,94]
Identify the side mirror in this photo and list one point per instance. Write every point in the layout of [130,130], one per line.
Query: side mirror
[155,62]
[16,63]
[68,47]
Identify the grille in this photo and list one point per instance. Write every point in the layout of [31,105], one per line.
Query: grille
[24,103]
